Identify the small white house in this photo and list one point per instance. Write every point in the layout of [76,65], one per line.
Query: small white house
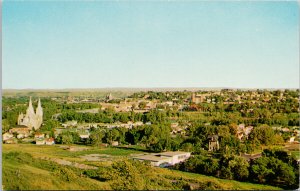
[40,141]
[11,141]
[50,141]
[7,136]
[138,123]
[84,135]
[20,136]
[292,139]
[69,123]
[39,136]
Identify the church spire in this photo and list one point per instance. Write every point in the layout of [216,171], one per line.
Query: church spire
[39,109]
[30,102]
[30,109]
[39,103]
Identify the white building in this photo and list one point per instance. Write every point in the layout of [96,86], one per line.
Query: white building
[49,141]
[32,119]
[39,136]
[165,158]
[40,141]
[292,139]
[7,136]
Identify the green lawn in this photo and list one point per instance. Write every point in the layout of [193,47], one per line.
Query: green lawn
[18,176]
[56,150]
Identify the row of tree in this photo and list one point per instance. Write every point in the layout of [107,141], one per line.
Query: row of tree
[275,167]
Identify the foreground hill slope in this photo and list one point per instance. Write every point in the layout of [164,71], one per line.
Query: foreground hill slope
[24,171]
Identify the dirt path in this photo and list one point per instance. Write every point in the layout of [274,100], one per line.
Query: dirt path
[68,163]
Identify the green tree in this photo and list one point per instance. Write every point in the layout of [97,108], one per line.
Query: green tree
[5,125]
[262,135]
[112,135]
[127,176]
[274,172]
[187,147]
[96,137]
[49,125]
[68,137]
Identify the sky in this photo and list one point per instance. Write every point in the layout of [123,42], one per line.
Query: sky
[100,44]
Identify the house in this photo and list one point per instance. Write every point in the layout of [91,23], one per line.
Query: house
[198,98]
[69,123]
[50,141]
[11,141]
[21,136]
[138,123]
[174,125]
[39,135]
[248,130]
[164,159]
[241,127]
[40,141]
[292,139]
[115,143]
[84,135]
[285,129]
[213,143]
[20,130]
[240,135]
[169,103]
[7,136]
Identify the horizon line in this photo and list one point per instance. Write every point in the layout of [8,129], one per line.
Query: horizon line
[88,88]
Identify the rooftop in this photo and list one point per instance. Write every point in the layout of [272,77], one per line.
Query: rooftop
[151,157]
[160,156]
[174,153]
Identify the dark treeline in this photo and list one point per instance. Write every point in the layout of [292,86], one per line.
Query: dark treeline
[275,167]
[109,116]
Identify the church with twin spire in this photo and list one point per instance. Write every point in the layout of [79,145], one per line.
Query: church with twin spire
[32,119]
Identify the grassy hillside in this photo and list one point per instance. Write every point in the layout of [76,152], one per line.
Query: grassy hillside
[22,170]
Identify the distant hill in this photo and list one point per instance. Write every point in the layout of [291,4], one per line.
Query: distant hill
[118,92]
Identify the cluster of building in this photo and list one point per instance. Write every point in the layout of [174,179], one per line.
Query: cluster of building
[32,119]
[40,139]
[28,123]
[294,132]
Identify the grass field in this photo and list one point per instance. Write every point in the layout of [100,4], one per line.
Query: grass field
[19,176]
[57,150]
[23,175]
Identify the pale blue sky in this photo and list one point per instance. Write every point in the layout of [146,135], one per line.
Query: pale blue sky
[150,44]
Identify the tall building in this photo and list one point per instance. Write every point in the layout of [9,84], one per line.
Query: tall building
[32,119]
[109,97]
[197,98]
